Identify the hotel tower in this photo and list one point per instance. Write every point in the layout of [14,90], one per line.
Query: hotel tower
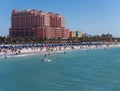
[34,23]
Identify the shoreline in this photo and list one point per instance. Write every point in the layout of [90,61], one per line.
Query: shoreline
[4,53]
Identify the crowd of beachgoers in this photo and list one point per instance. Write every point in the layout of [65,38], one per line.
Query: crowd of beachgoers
[7,50]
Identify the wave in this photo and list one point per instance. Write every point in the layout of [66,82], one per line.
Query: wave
[12,55]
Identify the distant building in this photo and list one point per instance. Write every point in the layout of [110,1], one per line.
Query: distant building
[72,34]
[86,35]
[34,23]
[79,34]
[75,34]
[106,35]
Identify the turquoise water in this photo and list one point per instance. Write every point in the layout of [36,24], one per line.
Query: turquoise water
[77,70]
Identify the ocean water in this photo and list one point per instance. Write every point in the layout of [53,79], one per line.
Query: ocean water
[77,70]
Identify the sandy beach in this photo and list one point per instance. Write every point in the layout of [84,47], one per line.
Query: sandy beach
[5,52]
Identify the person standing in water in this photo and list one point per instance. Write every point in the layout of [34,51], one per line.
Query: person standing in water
[5,52]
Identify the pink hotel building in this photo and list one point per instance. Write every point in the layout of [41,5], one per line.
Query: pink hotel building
[34,23]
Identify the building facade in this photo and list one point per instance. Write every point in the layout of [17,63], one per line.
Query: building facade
[34,23]
[75,34]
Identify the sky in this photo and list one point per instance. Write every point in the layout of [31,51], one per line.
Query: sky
[93,17]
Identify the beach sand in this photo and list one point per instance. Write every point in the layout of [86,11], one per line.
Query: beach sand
[32,50]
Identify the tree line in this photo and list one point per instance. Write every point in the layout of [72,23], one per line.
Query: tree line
[23,40]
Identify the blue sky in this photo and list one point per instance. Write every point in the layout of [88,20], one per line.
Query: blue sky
[90,16]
